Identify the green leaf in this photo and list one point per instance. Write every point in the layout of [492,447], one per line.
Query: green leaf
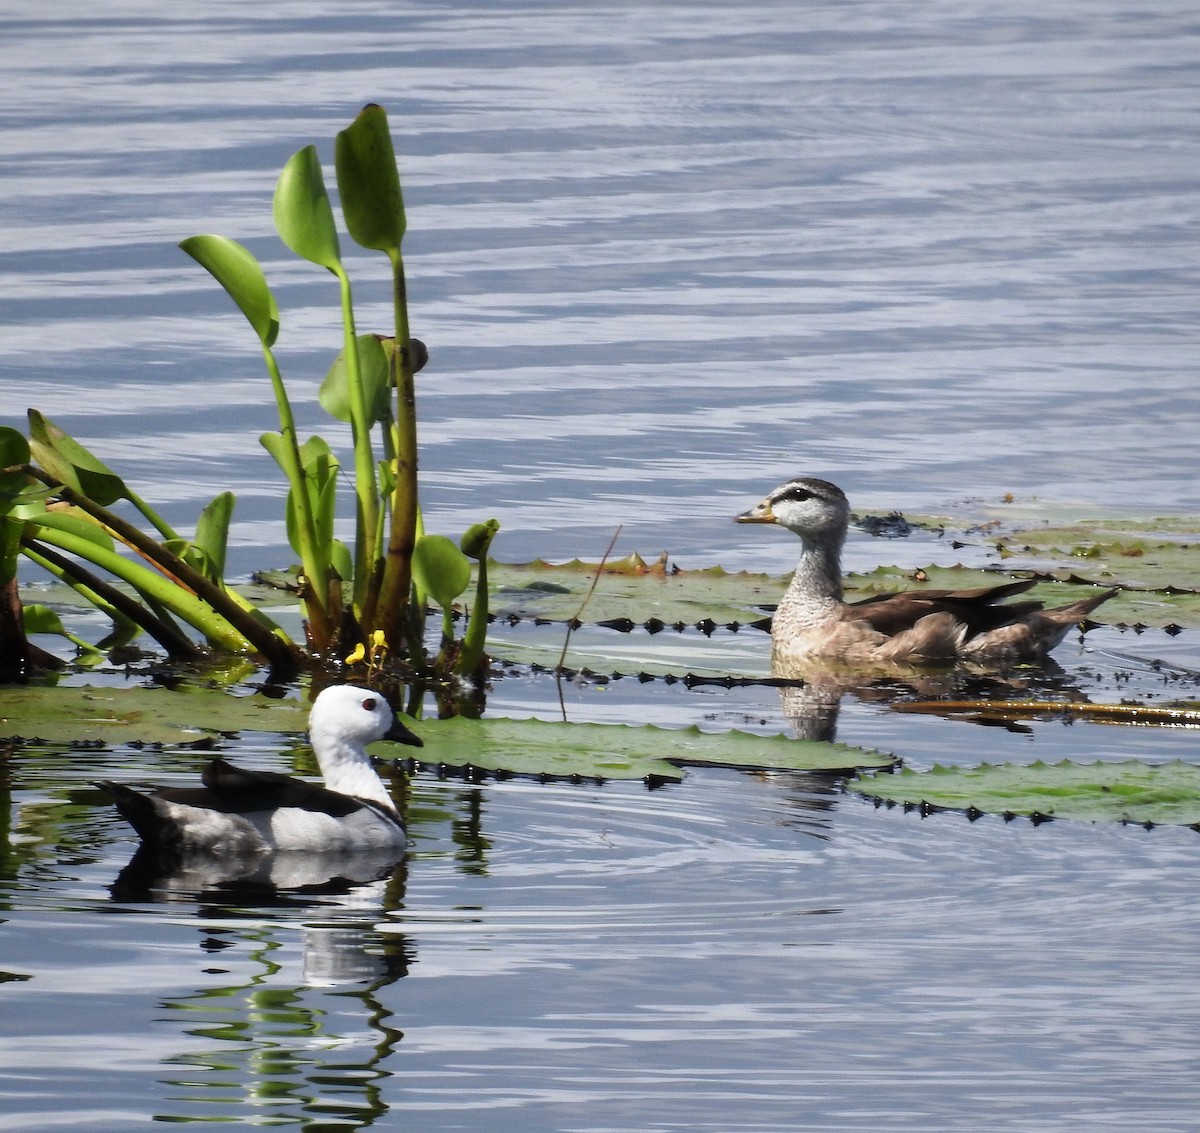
[619,751]
[440,569]
[1128,791]
[303,214]
[157,715]
[340,560]
[212,531]
[70,463]
[369,183]
[144,715]
[320,465]
[376,383]
[14,450]
[477,539]
[630,587]
[236,270]
[41,619]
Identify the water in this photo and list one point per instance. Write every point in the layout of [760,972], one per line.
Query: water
[742,953]
[663,257]
[662,260]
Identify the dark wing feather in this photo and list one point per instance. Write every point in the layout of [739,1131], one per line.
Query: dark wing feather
[234,790]
[890,614]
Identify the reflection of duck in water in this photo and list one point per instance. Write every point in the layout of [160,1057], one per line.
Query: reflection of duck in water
[238,812]
[835,645]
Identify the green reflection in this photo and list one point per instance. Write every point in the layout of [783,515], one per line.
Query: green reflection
[291,1053]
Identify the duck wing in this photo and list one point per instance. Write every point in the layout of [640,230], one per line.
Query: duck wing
[227,814]
[230,790]
[977,609]
[234,790]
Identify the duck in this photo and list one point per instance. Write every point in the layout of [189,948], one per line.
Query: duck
[236,812]
[910,628]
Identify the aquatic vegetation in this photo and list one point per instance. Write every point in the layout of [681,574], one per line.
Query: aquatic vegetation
[57,498]
[454,747]
[364,604]
[1128,791]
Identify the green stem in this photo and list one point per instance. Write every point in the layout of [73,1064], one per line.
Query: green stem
[268,639]
[314,559]
[111,601]
[397,573]
[180,602]
[366,490]
[475,638]
[160,525]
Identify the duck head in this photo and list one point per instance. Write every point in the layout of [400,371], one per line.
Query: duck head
[816,510]
[350,716]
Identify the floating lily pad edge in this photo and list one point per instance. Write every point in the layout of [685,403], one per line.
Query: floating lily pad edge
[1130,792]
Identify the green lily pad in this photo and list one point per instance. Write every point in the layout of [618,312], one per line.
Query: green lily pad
[691,597]
[1128,791]
[602,651]
[1162,586]
[629,588]
[96,714]
[610,751]
[620,751]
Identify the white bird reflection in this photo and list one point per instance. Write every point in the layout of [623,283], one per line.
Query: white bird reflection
[352,891]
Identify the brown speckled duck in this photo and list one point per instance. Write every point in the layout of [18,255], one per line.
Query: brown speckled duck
[914,627]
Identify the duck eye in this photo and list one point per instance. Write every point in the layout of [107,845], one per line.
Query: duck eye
[370,703]
[798,494]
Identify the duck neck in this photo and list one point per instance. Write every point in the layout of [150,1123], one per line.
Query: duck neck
[347,769]
[816,586]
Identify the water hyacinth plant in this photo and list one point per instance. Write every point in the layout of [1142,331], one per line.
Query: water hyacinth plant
[56,498]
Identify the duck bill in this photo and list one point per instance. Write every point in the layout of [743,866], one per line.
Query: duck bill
[401,735]
[760,513]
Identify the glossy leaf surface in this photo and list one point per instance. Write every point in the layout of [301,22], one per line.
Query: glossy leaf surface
[236,270]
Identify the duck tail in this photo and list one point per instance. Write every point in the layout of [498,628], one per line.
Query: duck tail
[140,811]
[1079,610]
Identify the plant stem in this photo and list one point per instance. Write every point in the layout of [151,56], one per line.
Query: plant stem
[110,600]
[397,572]
[313,558]
[366,491]
[209,606]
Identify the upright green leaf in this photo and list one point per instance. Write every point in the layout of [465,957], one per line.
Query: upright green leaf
[303,214]
[212,531]
[320,476]
[236,270]
[373,207]
[443,572]
[368,182]
[376,377]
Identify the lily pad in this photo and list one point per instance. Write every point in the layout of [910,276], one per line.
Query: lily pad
[629,588]
[656,593]
[96,714]
[620,751]
[1126,791]
[609,751]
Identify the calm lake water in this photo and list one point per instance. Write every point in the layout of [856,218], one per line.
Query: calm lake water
[663,256]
